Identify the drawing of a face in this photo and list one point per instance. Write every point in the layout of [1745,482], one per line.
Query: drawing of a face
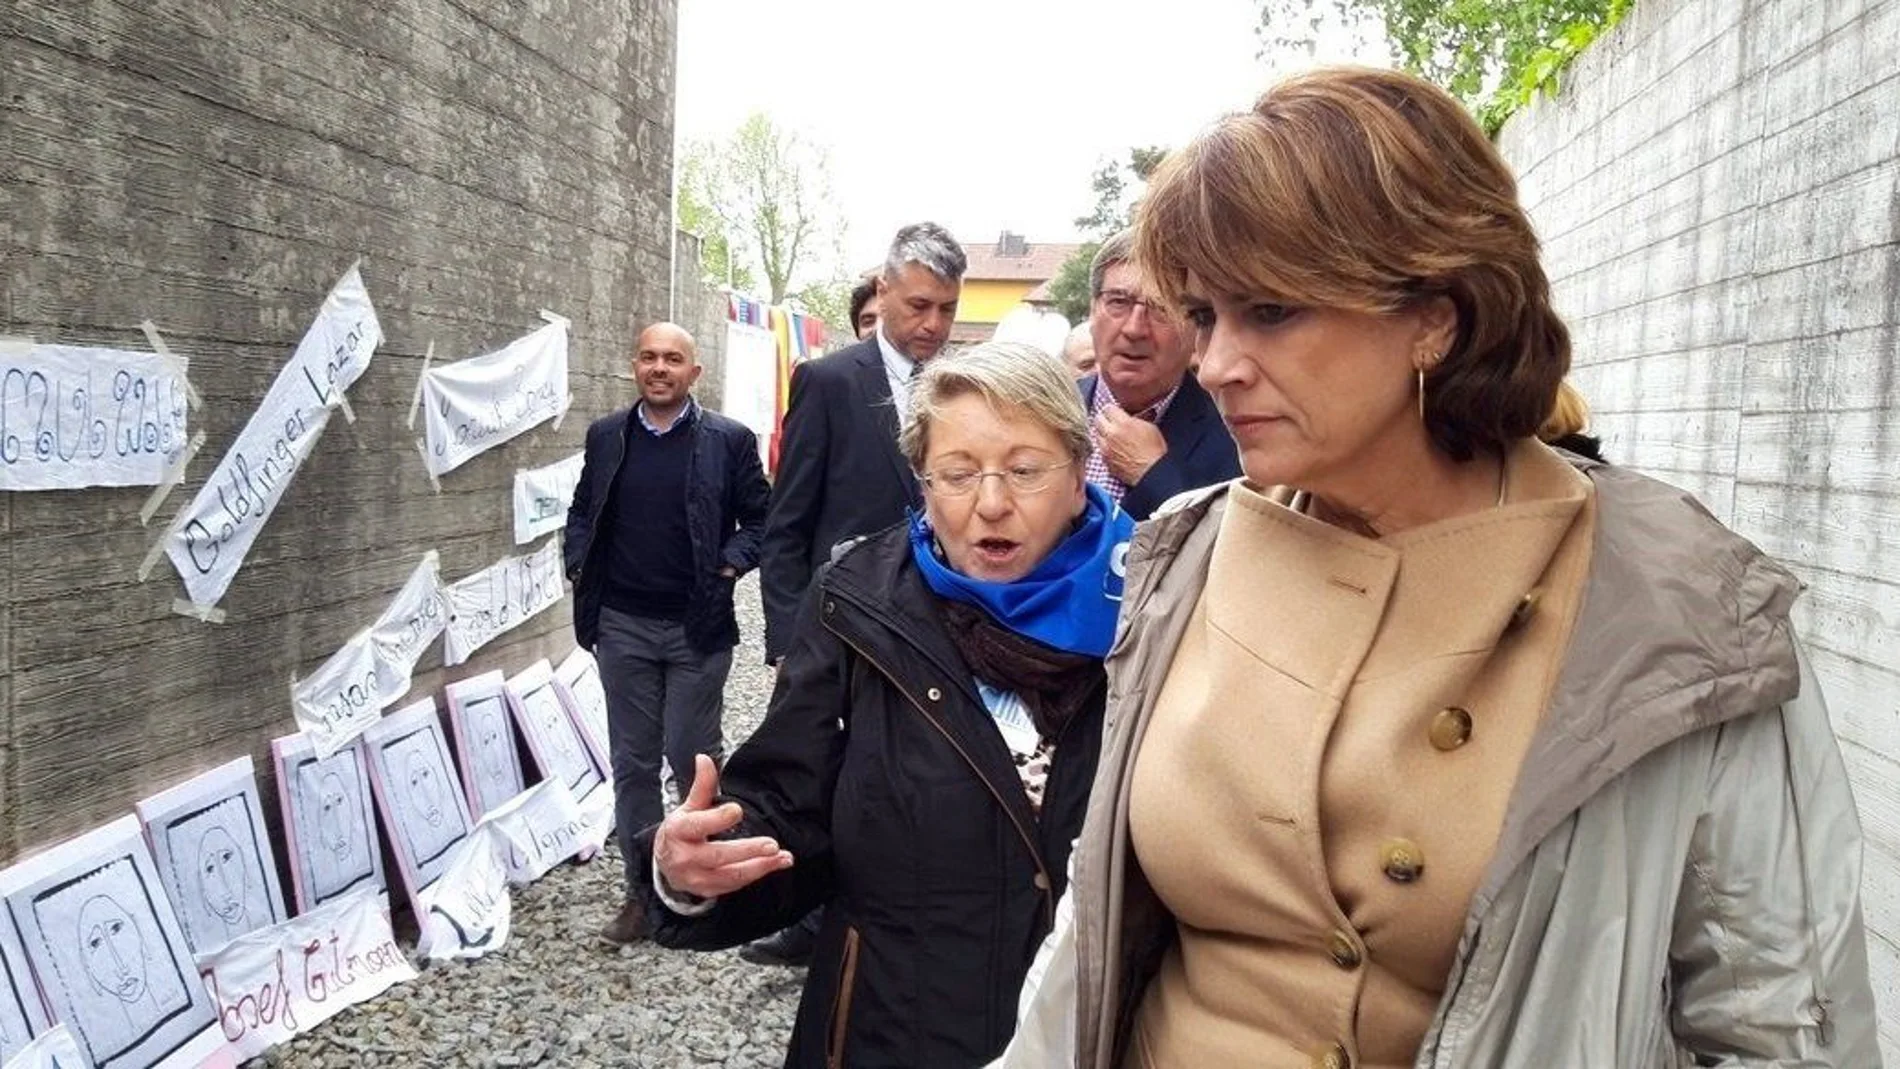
[333,815]
[425,792]
[221,875]
[112,949]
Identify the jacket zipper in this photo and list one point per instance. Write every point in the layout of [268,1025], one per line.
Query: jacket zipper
[841,1006]
[1044,886]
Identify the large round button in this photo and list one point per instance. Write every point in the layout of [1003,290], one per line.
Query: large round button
[1333,1057]
[1344,951]
[1402,860]
[1451,728]
[1041,881]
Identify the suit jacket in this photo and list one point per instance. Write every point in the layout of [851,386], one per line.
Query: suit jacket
[1200,451]
[840,476]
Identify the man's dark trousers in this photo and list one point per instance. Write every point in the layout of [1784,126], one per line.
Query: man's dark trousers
[662,699]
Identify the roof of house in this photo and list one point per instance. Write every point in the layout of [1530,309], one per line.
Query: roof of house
[1012,259]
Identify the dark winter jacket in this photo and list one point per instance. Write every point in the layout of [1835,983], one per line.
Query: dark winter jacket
[880,769]
[726,500]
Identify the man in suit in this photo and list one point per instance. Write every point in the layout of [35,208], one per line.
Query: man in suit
[840,474]
[1156,432]
[668,514]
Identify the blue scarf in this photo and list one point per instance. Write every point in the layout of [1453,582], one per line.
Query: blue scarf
[1068,601]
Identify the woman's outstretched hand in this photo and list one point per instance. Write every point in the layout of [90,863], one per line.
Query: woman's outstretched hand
[691,860]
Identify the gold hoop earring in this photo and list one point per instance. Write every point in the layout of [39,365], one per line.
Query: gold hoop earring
[1421,395]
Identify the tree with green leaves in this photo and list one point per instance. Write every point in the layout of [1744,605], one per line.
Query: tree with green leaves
[1494,55]
[1117,187]
[767,192]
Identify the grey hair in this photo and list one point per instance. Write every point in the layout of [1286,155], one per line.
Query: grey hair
[1005,374]
[932,247]
[1118,249]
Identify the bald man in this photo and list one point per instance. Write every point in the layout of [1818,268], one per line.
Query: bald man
[668,514]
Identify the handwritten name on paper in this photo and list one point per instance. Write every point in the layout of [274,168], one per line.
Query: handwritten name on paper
[473,405]
[374,668]
[72,417]
[498,598]
[213,534]
[284,980]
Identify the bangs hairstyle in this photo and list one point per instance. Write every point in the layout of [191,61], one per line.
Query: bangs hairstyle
[1007,375]
[1370,191]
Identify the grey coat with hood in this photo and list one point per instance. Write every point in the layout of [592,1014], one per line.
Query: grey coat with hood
[1677,881]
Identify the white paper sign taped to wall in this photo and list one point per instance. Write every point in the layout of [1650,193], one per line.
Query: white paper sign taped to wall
[542,496]
[476,404]
[284,980]
[374,668]
[499,597]
[209,539]
[72,417]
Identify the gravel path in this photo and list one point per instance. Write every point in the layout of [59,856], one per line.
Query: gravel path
[555,995]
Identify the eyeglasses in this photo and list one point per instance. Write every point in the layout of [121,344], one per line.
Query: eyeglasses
[1120,304]
[1019,478]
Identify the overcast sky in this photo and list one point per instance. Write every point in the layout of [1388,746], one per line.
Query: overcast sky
[983,115]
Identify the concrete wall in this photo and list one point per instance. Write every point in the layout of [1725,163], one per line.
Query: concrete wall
[1719,195]
[215,165]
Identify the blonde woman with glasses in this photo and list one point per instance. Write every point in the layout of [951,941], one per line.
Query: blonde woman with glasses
[924,766]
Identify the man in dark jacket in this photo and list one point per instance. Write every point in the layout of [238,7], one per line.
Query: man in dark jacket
[668,514]
[840,475]
[1156,432]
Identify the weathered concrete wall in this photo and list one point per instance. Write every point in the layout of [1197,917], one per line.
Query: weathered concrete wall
[700,307]
[216,165]
[1719,194]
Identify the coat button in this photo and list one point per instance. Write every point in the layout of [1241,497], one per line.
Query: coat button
[1402,860]
[1451,728]
[830,607]
[1041,881]
[1526,608]
[1344,952]
[934,694]
[1333,1057]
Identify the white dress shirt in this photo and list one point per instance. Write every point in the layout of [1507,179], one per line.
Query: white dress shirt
[898,369]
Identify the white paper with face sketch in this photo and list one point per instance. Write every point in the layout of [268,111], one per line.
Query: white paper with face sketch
[214,856]
[102,938]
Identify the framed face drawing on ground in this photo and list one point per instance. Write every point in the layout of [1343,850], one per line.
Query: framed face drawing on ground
[329,824]
[485,738]
[214,857]
[417,791]
[552,736]
[22,1012]
[577,681]
[94,921]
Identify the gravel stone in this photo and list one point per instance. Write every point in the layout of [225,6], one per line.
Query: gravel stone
[555,995]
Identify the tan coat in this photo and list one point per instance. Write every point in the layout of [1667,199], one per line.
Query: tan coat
[1677,880]
[1315,803]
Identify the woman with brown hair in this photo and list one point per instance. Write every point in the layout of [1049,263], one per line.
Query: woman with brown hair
[1427,745]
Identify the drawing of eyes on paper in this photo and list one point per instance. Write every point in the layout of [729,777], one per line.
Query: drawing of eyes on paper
[119,980]
[556,742]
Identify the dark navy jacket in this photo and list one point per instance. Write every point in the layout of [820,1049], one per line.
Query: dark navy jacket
[1200,451]
[726,499]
